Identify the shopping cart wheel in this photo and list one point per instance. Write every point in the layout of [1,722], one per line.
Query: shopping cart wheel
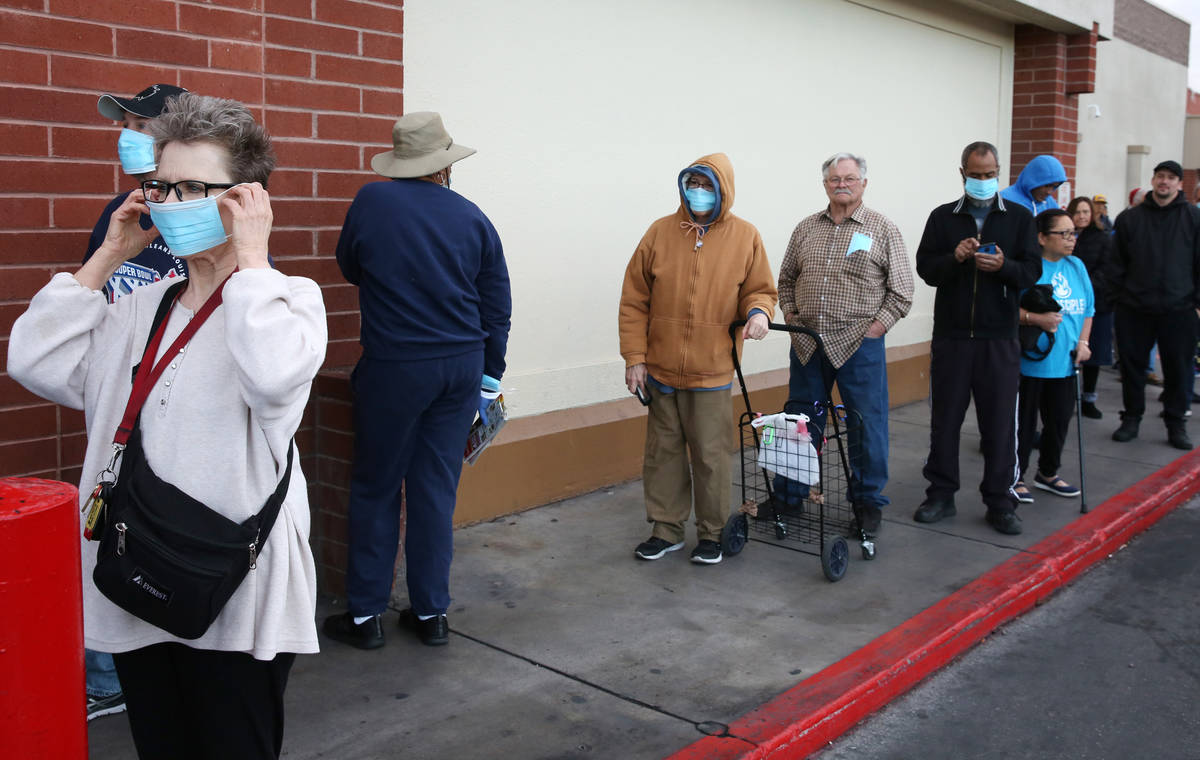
[733,535]
[835,558]
[868,548]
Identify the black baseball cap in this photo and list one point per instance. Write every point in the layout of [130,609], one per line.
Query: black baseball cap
[1171,166]
[148,103]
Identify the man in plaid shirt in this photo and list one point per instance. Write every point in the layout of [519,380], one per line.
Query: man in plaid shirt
[846,276]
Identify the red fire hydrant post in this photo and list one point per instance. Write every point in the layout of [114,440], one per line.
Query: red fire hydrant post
[42,702]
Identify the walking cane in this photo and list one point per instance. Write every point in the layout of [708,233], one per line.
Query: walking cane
[1083,507]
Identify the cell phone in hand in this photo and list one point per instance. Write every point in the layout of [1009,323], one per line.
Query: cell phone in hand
[642,395]
[988,249]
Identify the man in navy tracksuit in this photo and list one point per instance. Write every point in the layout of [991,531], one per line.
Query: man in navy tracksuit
[979,252]
[435,303]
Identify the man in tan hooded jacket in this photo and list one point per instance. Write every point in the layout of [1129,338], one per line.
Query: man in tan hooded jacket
[693,273]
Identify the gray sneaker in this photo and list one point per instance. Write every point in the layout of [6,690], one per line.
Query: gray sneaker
[99,706]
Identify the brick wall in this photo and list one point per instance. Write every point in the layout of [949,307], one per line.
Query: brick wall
[324,76]
[1151,28]
[1050,70]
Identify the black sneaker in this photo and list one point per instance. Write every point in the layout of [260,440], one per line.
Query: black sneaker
[706,552]
[433,632]
[1128,430]
[110,705]
[365,635]
[655,547]
[932,510]
[1177,436]
[1090,411]
[869,518]
[1005,522]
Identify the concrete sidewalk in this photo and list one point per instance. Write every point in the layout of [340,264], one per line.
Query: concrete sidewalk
[564,645]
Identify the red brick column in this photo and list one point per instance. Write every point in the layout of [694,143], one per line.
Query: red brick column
[1050,70]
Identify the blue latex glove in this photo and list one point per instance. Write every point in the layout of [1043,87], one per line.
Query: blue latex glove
[484,403]
[488,386]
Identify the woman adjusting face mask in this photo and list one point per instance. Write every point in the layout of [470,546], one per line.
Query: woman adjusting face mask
[191,225]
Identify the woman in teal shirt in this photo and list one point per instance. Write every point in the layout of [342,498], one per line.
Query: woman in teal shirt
[1048,384]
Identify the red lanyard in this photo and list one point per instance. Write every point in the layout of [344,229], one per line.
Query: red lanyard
[147,376]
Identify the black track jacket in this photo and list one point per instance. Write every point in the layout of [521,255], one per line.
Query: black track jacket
[970,303]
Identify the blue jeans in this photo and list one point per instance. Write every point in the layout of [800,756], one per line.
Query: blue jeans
[862,381]
[101,674]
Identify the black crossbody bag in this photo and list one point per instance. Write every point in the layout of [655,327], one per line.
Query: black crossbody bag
[164,556]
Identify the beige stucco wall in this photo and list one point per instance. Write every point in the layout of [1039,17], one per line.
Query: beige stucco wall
[1142,99]
[583,114]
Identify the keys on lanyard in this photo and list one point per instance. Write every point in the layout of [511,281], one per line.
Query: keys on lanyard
[94,507]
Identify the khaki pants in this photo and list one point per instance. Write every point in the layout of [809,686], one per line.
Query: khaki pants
[679,421]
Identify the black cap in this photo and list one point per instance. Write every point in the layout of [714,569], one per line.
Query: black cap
[1171,166]
[148,103]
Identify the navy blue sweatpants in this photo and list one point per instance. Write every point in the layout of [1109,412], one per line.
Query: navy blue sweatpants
[411,420]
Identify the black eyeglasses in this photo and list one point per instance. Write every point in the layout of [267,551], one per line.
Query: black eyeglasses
[157,191]
[1064,234]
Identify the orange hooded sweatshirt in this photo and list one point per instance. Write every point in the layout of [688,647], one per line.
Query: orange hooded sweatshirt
[679,297]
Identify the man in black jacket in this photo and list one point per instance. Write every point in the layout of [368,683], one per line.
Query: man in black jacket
[1156,287]
[979,252]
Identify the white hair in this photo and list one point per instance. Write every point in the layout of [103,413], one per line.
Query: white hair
[836,157]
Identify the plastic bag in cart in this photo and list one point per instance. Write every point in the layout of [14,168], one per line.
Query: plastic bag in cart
[785,447]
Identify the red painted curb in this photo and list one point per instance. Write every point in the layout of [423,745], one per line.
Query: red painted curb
[824,706]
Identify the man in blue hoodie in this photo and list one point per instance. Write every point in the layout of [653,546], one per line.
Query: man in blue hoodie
[1035,186]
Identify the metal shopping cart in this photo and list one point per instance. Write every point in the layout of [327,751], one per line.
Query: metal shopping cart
[798,490]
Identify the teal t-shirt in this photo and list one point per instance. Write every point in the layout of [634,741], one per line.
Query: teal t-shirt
[1073,291]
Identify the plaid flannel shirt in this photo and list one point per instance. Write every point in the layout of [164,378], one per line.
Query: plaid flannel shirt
[836,290]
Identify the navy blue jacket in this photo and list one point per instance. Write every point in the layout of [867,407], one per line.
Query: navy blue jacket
[430,271]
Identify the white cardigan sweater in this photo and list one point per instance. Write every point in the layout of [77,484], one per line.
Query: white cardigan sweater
[217,425]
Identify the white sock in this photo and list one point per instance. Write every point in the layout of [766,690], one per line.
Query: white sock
[360,619]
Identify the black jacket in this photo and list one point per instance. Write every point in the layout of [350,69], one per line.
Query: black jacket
[970,303]
[1156,266]
[1094,249]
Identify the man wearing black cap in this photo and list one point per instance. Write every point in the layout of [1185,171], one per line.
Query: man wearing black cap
[135,149]
[1156,271]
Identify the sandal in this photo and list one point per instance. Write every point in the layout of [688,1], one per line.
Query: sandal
[1055,485]
[1024,495]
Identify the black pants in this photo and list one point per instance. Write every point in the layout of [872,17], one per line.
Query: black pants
[1054,399]
[1176,335]
[197,704]
[989,370]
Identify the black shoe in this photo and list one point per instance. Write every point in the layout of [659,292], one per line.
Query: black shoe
[1128,430]
[1005,522]
[365,635]
[1091,412]
[869,518]
[655,548]
[933,510]
[1177,436]
[434,632]
[706,552]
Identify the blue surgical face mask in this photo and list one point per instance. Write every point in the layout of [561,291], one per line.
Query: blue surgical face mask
[136,151]
[982,189]
[189,227]
[699,200]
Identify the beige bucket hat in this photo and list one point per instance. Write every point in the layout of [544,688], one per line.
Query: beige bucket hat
[420,147]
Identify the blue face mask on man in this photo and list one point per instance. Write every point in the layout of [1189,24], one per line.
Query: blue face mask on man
[982,189]
[699,200]
[189,227]
[136,151]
